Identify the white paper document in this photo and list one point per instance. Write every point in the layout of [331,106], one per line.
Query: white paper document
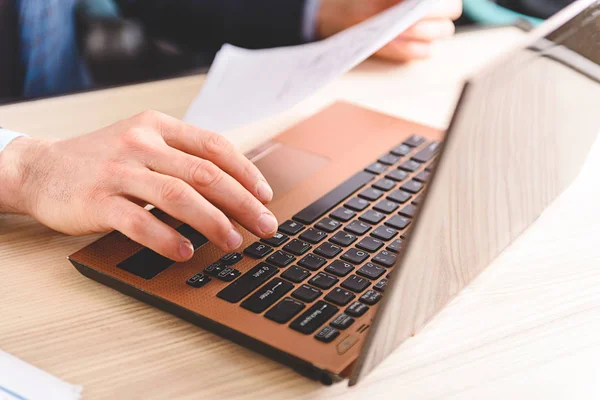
[244,86]
[21,381]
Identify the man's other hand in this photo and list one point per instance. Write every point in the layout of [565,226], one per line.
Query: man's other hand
[101,181]
[415,43]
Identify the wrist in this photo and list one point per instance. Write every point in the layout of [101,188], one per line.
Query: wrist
[16,166]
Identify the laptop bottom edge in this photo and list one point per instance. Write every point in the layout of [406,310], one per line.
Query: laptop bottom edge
[302,367]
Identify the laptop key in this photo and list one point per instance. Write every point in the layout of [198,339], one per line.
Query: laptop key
[355,256]
[410,166]
[297,247]
[371,271]
[398,222]
[343,238]
[285,310]
[371,194]
[358,228]
[339,268]
[247,283]
[372,217]
[355,283]
[357,309]
[342,321]
[267,295]
[295,274]
[306,293]
[327,334]
[399,196]
[385,258]
[380,286]
[291,227]
[395,246]
[277,240]
[343,214]
[357,204]
[313,318]
[313,235]
[370,297]
[408,211]
[370,244]
[231,258]
[258,250]
[198,280]
[323,280]
[215,268]
[228,274]
[413,187]
[389,159]
[427,153]
[328,225]
[317,209]
[397,175]
[414,141]
[312,262]
[386,206]
[376,168]
[401,150]
[281,259]
[384,184]
[340,297]
[384,233]
[423,176]
[328,250]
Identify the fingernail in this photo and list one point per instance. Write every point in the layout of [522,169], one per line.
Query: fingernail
[186,250]
[264,191]
[234,239]
[267,224]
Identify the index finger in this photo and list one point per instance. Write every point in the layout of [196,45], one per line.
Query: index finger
[215,148]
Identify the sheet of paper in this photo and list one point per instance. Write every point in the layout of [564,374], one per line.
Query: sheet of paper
[244,86]
[21,381]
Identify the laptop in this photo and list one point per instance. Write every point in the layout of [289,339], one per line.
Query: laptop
[382,221]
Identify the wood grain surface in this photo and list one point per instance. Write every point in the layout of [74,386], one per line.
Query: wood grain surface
[525,328]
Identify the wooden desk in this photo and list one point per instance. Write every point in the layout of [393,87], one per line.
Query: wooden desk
[526,328]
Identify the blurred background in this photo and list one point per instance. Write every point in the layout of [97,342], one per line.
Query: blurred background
[119,47]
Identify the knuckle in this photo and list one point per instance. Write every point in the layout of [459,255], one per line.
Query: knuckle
[149,117]
[174,191]
[133,138]
[248,204]
[206,174]
[217,145]
[136,223]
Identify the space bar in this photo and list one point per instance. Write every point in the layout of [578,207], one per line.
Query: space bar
[311,213]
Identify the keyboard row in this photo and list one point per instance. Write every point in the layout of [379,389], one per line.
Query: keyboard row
[342,234]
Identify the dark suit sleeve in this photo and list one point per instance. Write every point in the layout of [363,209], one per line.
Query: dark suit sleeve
[208,24]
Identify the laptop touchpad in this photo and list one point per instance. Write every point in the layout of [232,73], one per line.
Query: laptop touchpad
[285,166]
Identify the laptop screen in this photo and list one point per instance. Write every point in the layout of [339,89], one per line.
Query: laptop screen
[520,134]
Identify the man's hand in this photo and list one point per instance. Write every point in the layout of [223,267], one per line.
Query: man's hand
[414,43]
[101,181]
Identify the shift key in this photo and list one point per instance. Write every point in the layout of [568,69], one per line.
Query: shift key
[314,317]
[247,283]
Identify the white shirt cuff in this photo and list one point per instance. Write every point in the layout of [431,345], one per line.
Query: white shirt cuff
[7,136]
